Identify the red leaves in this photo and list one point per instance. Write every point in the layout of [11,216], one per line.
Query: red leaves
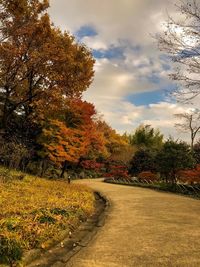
[118,172]
[148,176]
[189,176]
[91,165]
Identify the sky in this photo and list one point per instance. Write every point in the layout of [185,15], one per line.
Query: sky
[131,84]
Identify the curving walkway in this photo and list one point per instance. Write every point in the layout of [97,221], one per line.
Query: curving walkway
[143,228]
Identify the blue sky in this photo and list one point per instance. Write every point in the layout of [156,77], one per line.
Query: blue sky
[146,98]
[85,30]
[131,84]
[116,53]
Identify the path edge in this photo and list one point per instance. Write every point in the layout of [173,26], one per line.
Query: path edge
[81,237]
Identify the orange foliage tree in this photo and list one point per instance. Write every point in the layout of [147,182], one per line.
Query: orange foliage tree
[114,141]
[38,61]
[43,74]
[62,144]
[73,136]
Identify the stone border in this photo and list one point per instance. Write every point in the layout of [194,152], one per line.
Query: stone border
[152,187]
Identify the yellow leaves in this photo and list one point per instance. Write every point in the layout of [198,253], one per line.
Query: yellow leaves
[43,246]
[40,65]
[113,141]
[23,203]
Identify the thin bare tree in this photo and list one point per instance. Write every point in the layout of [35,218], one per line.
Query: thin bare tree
[180,40]
[190,123]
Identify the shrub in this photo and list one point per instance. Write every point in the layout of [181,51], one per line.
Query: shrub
[91,165]
[118,172]
[196,152]
[143,160]
[148,177]
[189,176]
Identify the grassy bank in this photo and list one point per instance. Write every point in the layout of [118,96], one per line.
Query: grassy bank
[34,212]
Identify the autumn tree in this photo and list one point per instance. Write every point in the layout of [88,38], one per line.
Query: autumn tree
[39,63]
[180,40]
[190,123]
[41,70]
[114,142]
[124,155]
[82,115]
[62,144]
[72,137]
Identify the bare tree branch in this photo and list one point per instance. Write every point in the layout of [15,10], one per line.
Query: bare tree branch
[181,41]
[190,123]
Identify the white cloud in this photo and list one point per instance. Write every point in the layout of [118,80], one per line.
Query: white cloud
[113,19]
[127,24]
[128,116]
[94,42]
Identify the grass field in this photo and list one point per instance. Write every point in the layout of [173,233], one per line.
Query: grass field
[34,211]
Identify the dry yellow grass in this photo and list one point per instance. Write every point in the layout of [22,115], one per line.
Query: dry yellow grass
[34,210]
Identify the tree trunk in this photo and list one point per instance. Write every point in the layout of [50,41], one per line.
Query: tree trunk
[192,143]
[43,168]
[63,169]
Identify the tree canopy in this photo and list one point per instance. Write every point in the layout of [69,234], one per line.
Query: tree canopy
[147,137]
[43,73]
[173,157]
[40,65]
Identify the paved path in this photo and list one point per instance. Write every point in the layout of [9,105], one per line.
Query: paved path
[143,228]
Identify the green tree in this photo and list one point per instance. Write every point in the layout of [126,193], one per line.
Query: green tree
[143,160]
[173,157]
[146,137]
[196,152]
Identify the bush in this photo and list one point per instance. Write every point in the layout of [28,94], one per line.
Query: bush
[91,165]
[143,160]
[118,172]
[189,176]
[148,177]
[10,250]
